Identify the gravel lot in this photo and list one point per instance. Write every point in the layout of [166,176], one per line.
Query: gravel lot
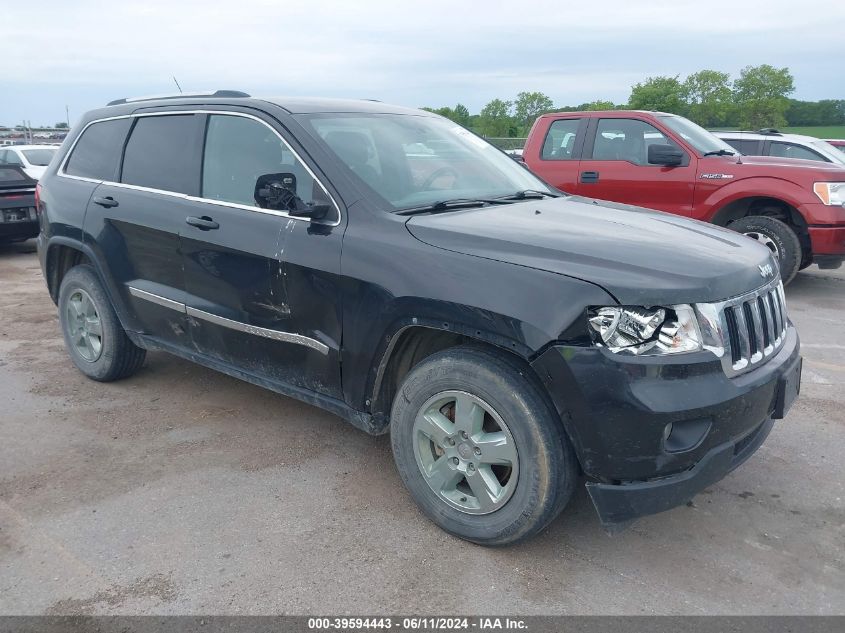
[183,491]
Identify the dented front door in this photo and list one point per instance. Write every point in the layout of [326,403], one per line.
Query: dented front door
[263,296]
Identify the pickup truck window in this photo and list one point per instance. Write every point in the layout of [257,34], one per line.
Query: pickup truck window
[560,140]
[411,161]
[626,139]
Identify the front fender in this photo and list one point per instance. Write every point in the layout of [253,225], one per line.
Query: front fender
[756,187]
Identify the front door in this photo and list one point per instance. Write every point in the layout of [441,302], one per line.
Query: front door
[262,286]
[615,167]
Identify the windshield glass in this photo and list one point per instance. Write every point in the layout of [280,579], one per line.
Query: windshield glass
[831,151]
[38,157]
[412,161]
[702,140]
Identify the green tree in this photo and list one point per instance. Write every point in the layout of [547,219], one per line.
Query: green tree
[61,125]
[761,96]
[664,94]
[461,115]
[529,105]
[597,105]
[707,95]
[496,119]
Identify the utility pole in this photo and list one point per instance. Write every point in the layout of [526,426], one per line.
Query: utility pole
[67,116]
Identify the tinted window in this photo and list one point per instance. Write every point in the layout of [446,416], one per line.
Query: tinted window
[97,152]
[163,153]
[12,158]
[39,157]
[747,147]
[788,150]
[560,140]
[627,139]
[12,175]
[238,151]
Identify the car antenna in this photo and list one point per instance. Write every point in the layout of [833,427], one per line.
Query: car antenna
[177,84]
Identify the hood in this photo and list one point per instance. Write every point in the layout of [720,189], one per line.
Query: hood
[771,165]
[641,257]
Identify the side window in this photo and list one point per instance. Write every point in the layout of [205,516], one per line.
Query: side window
[97,152]
[3,157]
[788,150]
[12,158]
[627,140]
[747,147]
[560,140]
[163,153]
[239,151]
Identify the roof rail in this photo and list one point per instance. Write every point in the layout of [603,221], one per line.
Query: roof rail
[769,130]
[216,93]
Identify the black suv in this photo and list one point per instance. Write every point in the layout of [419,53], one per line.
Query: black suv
[397,270]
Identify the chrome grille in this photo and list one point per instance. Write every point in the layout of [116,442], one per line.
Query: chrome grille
[746,331]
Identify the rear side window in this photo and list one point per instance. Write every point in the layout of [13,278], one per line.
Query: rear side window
[97,153]
[163,153]
[560,140]
[788,150]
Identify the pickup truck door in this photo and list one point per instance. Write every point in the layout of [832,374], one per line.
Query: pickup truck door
[560,153]
[262,286]
[614,166]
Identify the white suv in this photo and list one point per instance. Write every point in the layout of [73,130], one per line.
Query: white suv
[33,159]
[770,142]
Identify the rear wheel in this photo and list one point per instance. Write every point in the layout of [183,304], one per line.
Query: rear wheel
[95,340]
[778,237]
[479,448]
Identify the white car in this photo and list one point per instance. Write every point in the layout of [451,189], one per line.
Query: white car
[33,159]
[773,143]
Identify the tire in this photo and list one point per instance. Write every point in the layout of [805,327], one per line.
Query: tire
[81,295]
[534,488]
[778,237]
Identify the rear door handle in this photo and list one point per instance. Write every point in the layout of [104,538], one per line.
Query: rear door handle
[205,223]
[108,202]
[589,176]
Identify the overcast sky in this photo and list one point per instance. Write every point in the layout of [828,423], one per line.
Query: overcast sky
[82,54]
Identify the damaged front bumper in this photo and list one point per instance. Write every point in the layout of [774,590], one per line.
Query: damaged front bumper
[622,413]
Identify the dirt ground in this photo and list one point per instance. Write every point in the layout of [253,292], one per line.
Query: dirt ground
[183,491]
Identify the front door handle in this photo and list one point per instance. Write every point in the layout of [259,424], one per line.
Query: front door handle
[108,202]
[205,223]
[589,176]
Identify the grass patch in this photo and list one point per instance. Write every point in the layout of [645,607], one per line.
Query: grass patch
[824,131]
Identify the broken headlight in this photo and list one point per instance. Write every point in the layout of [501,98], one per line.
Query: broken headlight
[651,331]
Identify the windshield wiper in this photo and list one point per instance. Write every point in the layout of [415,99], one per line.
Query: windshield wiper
[720,152]
[449,205]
[528,194]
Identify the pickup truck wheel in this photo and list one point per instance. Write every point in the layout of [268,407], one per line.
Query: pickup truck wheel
[479,448]
[94,338]
[778,237]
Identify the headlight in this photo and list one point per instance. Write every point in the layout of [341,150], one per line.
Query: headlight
[639,330]
[830,193]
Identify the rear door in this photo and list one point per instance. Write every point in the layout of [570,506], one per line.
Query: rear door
[560,153]
[615,167]
[135,222]
[262,286]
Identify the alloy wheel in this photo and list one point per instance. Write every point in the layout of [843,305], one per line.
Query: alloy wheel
[765,240]
[84,326]
[465,452]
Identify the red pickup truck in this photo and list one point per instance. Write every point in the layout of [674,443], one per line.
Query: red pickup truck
[666,162]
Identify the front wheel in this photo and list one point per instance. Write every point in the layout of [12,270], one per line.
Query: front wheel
[778,237]
[481,451]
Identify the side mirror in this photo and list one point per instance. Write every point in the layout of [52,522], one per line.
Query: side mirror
[311,210]
[668,155]
[278,192]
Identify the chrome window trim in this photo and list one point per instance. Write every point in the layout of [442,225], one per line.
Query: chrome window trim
[276,335]
[175,194]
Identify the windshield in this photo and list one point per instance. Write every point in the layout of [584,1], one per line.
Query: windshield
[831,151]
[702,140]
[38,157]
[412,161]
